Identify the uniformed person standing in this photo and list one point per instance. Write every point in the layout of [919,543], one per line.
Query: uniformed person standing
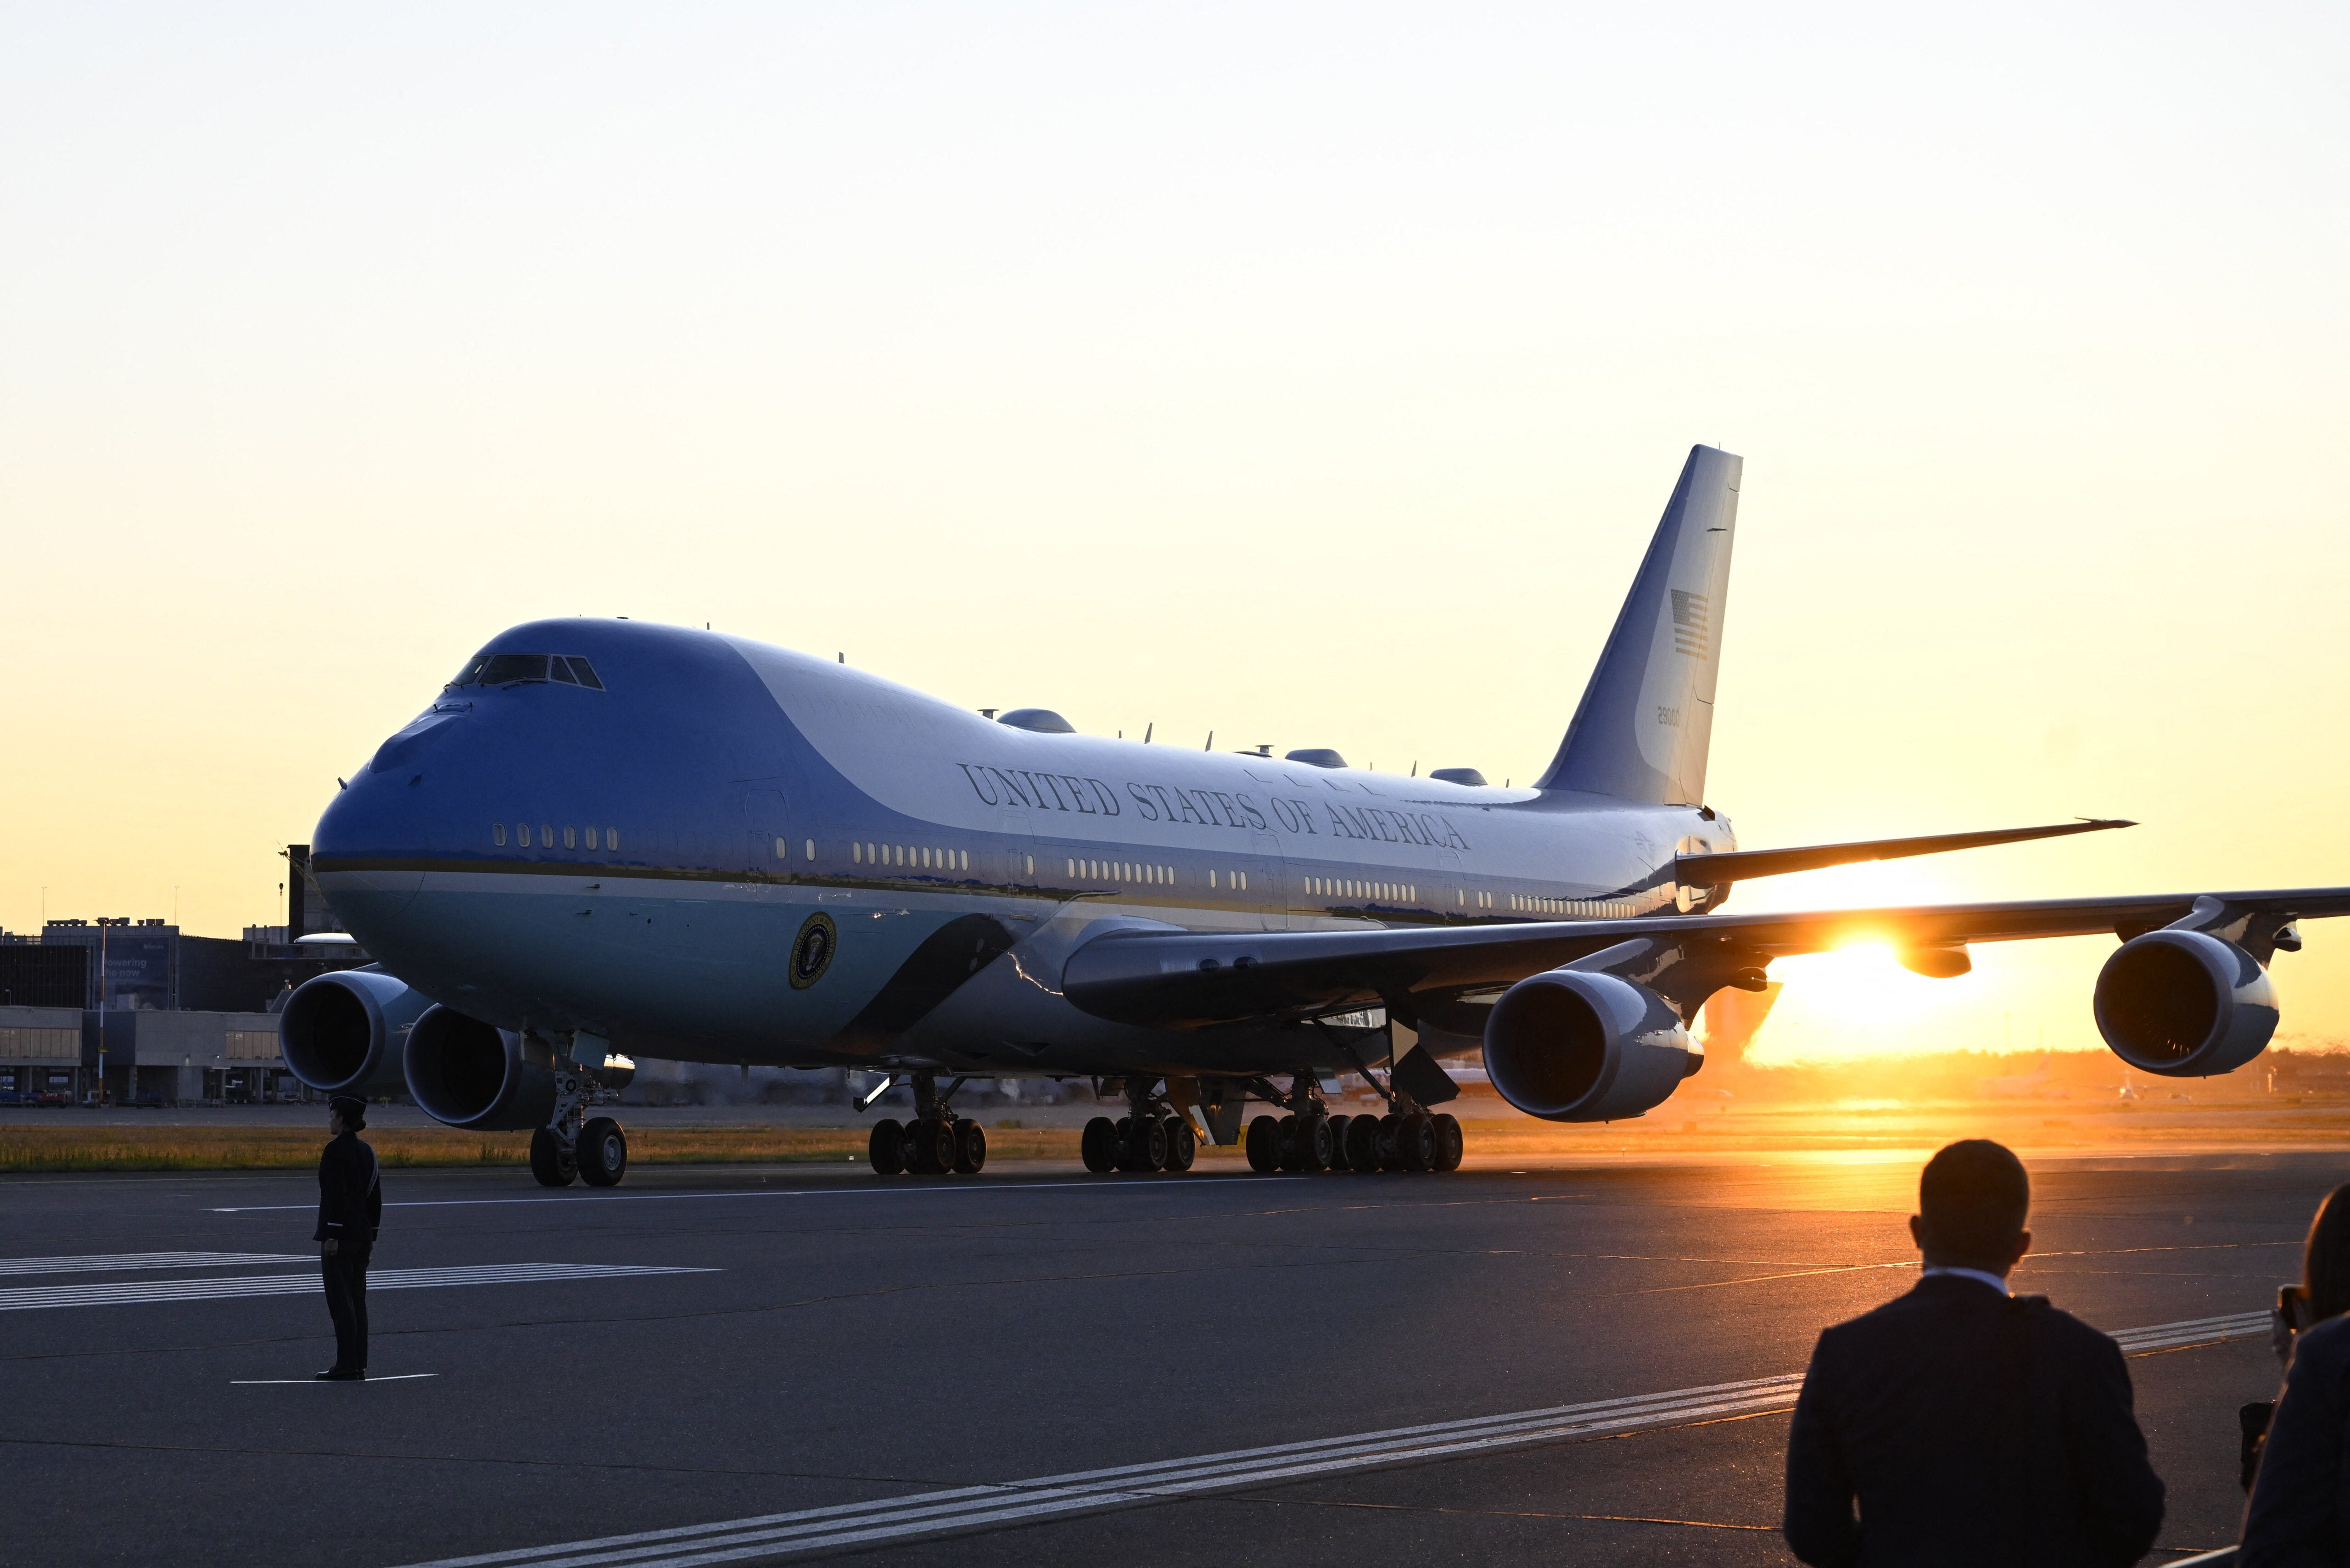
[350,1211]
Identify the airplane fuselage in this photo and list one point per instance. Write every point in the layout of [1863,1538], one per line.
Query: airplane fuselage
[733,852]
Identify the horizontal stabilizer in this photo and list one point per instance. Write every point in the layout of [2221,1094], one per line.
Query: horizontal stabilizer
[1743,865]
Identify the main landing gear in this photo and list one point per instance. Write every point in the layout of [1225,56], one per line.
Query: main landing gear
[1149,1137]
[1310,1138]
[935,1142]
[567,1149]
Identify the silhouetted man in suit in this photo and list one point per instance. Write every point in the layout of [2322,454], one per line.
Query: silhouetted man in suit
[1967,1425]
[350,1211]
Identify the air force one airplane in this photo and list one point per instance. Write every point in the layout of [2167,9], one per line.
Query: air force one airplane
[608,839]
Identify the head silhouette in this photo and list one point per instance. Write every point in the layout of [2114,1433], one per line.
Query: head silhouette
[1972,1200]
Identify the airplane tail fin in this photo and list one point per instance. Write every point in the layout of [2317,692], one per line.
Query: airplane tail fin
[1641,731]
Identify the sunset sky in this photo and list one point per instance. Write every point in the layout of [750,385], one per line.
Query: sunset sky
[1310,374]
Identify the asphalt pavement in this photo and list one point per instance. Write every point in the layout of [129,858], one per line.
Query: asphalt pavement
[1566,1362]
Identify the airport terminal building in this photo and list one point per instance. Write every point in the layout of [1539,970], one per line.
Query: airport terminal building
[141,1013]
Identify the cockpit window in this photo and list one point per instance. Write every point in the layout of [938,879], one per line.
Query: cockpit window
[508,668]
[504,669]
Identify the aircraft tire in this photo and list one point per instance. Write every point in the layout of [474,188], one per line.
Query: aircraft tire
[603,1152]
[547,1162]
[1099,1146]
[1147,1146]
[1183,1144]
[886,1149]
[1292,1159]
[1363,1143]
[1416,1141]
[1391,1150]
[1314,1143]
[1339,1160]
[934,1146]
[971,1148]
[1450,1143]
[1264,1146]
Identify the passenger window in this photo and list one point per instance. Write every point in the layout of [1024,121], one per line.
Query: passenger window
[570,836]
[783,850]
[522,833]
[811,848]
[498,834]
[545,835]
[611,839]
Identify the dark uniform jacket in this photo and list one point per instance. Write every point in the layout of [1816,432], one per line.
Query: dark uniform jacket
[1969,1428]
[2297,1515]
[350,1199]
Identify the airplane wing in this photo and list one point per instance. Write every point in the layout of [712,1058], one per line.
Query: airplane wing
[1198,980]
[1745,864]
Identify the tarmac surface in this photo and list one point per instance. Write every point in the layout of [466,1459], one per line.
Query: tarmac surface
[1565,1362]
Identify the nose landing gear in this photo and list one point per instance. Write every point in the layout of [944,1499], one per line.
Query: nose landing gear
[565,1150]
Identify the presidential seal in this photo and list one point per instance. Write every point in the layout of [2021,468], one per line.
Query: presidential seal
[812,949]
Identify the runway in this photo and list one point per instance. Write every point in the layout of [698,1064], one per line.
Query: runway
[796,1363]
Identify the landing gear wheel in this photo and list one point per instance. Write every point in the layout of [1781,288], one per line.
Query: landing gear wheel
[1389,1157]
[1362,1143]
[1099,1144]
[887,1148]
[602,1152]
[1146,1145]
[971,1148]
[933,1146]
[1416,1142]
[549,1161]
[1448,1142]
[1265,1145]
[1339,1158]
[1183,1144]
[1313,1135]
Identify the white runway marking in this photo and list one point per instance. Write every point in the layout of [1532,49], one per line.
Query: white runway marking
[98,1262]
[793,1192]
[857,1524]
[31,1298]
[273,1382]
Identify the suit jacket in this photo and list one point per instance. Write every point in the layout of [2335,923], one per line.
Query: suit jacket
[350,1196]
[1969,1428]
[2297,1517]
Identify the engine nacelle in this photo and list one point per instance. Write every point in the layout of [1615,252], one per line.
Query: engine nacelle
[1572,1045]
[2185,1004]
[340,1032]
[464,1072]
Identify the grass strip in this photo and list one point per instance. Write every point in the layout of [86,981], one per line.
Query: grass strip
[102,1148]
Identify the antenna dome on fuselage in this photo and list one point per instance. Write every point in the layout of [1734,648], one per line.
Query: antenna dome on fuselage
[1043,721]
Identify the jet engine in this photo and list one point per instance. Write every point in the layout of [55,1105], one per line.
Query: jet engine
[468,1074]
[1575,1046]
[2185,1004]
[340,1032]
